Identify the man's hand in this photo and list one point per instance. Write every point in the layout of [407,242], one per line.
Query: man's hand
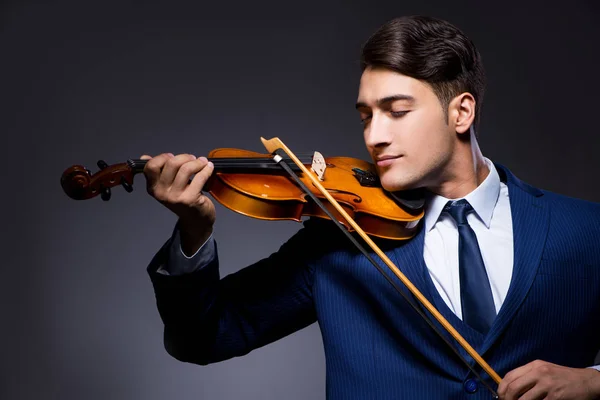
[169,180]
[544,380]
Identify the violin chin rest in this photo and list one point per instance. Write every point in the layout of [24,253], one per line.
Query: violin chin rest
[413,198]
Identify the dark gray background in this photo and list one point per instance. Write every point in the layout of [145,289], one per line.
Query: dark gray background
[84,80]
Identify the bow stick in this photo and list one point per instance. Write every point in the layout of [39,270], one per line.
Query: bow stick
[274,144]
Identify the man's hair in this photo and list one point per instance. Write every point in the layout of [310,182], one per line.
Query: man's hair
[430,50]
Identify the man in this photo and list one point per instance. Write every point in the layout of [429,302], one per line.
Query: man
[513,268]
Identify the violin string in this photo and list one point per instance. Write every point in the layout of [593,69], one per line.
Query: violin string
[305,158]
[385,275]
[267,163]
[226,161]
[262,162]
[137,165]
[247,160]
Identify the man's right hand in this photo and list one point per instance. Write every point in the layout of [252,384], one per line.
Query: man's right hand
[168,181]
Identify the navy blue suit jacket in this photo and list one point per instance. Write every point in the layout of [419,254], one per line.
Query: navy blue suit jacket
[377,346]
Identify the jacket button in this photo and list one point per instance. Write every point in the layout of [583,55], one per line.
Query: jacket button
[470,385]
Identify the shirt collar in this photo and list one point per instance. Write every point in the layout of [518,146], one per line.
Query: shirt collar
[483,200]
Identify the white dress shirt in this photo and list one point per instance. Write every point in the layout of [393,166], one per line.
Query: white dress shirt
[492,223]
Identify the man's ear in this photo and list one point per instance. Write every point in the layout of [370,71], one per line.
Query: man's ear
[461,112]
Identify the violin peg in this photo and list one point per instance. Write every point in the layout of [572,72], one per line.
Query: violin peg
[105,193]
[126,185]
[102,164]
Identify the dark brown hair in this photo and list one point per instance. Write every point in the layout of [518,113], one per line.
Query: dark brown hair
[430,50]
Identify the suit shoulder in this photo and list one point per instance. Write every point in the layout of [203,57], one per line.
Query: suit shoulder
[574,216]
[555,200]
[573,230]
[571,204]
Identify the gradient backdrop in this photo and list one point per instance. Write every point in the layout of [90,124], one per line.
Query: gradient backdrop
[89,80]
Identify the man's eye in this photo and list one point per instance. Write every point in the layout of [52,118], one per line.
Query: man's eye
[398,114]
[365,119]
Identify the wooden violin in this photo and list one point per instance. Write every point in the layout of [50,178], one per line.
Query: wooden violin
[254,185]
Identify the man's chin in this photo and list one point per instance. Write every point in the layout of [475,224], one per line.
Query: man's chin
[398,186]
[396,182]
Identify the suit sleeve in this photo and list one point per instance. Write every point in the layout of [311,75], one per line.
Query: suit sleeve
[208,319]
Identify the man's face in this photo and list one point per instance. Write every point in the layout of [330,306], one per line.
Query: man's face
[405,129]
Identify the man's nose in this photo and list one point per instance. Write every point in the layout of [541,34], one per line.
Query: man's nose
[378,132]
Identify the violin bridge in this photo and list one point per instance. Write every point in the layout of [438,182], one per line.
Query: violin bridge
[319,165]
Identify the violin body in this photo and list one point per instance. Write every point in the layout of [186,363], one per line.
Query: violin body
[277,197]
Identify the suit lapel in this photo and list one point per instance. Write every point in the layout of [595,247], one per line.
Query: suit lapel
[530,218]
[409,259]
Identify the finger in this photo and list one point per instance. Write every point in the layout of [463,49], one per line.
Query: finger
[515,374]
[182,179]
[149,157]
[519,386]
[200,179]
[171,168]
[154,166]
[536,393]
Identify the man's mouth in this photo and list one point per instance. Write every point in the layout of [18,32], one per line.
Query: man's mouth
[384,161]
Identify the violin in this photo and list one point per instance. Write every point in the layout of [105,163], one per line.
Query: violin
[253,184]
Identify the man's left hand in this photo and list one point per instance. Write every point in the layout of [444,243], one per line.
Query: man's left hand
[544,380]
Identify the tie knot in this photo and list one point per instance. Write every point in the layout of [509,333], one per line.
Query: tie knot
[458,210]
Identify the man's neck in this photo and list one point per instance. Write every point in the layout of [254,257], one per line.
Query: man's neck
[464,174]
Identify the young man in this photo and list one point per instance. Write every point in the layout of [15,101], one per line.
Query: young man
[513,268]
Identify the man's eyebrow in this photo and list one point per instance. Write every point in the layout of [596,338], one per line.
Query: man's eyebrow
[388,99]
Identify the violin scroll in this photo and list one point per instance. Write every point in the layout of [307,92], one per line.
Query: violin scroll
[80,184]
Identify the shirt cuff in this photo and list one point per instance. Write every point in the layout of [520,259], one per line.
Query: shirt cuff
[180,264]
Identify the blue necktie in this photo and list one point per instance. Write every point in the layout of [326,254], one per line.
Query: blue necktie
[476,299]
